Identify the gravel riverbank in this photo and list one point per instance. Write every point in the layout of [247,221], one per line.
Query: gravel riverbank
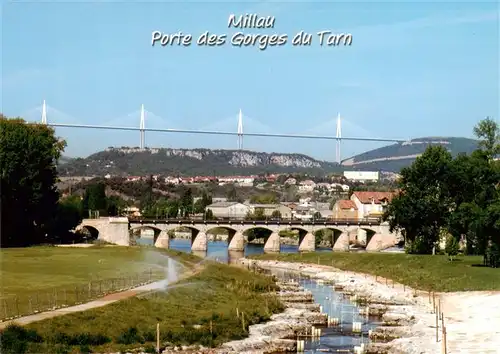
[472,319]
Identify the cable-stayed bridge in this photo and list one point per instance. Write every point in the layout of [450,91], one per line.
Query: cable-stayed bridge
[45,113]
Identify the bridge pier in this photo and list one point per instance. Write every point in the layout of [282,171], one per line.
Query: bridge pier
[379,242]
[235,256]
[200,242]
[307,243]
[272,244]
[163,240]
[237,242]
[362,237]
[342,242]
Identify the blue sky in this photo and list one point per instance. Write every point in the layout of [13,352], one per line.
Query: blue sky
[414,69]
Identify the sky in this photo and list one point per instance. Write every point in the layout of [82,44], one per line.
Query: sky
[413,69]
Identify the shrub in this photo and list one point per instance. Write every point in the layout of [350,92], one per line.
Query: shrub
[15,339]
[130,336]
[451,247]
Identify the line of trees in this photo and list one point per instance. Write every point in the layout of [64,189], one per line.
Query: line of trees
[175,207]
[444,197]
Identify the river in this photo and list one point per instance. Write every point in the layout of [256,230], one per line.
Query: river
[218,249]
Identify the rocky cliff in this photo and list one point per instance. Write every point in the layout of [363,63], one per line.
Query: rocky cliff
[134,161]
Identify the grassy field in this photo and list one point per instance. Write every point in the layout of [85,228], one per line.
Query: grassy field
[214,306]
[423,272]
[39,278]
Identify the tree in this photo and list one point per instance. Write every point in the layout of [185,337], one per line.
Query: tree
[69,215]
[209,215]
[94,198]
[187,202]
[28,154]
[264,199]
[276,214]
[451,247]
[473,188]
[147,200]
[488,133]
[202,203]
[422,207]
[258,214]
[115,205]
[231,194]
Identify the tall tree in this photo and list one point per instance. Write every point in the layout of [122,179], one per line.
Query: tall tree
[422,207]
[187,201]
[28,157]
[488,133]
[94,198]
[472,187]
[69,215]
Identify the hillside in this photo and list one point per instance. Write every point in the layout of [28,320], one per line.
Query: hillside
[191,162]
[396,156]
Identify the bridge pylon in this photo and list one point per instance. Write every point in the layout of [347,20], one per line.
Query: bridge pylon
[338,135]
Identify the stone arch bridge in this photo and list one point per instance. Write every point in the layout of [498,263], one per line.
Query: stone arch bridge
[373,235]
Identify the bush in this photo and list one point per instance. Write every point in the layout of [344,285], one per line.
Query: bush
[130,336]
[451,248]
[80,339]
[419,246]
[15,339]
[492,257]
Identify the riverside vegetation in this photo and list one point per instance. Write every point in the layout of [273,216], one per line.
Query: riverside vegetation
[444,197]
[214,306]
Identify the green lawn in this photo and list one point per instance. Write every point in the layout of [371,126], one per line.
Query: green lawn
[435,273]
[38,278]
[203,311]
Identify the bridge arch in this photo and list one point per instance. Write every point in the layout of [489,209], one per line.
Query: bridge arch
[331,234]
[230,231]
[133,233]
[365,235]
[257,232]
[89,233]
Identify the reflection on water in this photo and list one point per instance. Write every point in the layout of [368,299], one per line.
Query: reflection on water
[217,250]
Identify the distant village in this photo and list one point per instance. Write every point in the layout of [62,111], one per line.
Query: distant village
[344,203]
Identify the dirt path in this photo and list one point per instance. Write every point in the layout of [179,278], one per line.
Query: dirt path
[103,301]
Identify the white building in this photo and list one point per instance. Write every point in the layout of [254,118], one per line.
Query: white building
[229,209]
[236,179]
[307,186]
[371,204]
[362,176]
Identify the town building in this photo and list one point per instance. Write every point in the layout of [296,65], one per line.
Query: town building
[362,176]
[345,209]
[233,210]
[371,204]
[307,186]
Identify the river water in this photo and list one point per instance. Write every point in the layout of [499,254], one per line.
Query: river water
[339,338]
[218,249]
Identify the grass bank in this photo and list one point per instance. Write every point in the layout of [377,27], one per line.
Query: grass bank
[202,309]
[35,279]
[435,273]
